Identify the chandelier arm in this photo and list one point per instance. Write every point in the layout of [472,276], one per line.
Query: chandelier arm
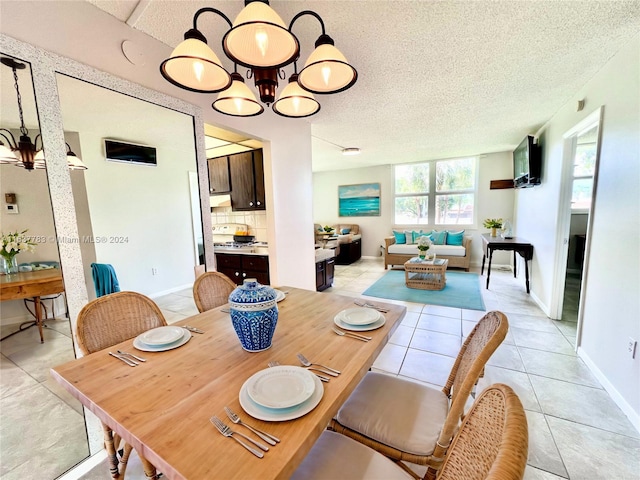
[11,140]
[212,10]
[307,12]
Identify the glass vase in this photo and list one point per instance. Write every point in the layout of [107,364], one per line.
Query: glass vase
[9,265]
[422,254]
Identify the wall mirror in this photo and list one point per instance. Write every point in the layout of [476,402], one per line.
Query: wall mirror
[38,408]
[144,219]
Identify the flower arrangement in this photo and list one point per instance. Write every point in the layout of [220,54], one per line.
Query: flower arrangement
[492,223]
[424,243]
[14,243]
[328,229]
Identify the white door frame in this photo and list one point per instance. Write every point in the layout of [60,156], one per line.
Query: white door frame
[564,216]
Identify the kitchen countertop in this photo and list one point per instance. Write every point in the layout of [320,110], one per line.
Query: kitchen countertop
[249,250]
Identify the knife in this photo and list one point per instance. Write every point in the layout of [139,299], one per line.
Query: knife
[131,363]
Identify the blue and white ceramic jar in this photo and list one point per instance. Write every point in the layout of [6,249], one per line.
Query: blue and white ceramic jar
[254,314]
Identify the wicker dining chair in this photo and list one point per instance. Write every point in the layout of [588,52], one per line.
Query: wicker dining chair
[410,421]
[491,444]
[212,289]
[107,321]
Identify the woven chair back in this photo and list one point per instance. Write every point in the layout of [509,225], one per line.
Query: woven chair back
[492,443]
[211,290]
[115,318]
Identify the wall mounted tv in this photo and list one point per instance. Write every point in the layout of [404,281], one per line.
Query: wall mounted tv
[527,164]
[118,151]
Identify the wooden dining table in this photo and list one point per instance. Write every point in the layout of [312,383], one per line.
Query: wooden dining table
[16,286]
[162,407]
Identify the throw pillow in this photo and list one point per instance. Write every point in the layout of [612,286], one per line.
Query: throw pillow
[412,235]
[400,237]
[344,231]
[455,238]
[439,238]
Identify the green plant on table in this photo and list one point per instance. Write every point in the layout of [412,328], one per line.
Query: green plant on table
[424,243]
[328,229]
[492,223]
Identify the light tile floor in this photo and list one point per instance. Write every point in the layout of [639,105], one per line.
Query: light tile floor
[575,430]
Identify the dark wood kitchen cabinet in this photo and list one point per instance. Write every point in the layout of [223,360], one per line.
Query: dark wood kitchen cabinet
[238,267]
[247,181]
[219,175]
[324,273]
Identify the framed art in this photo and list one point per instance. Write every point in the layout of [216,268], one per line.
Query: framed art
[362,200]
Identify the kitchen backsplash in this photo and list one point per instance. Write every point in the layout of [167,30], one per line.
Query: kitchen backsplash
[257,220]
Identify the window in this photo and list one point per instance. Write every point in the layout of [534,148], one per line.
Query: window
[584,163]
[438,193]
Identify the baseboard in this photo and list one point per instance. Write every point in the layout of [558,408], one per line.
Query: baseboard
[632,415]
[85,466]
[171,290]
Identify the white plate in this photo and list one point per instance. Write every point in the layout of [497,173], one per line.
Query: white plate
[280,295]
[161,336]
[281,387]
[138,344]
[283,414]
[359,316]
[359,328]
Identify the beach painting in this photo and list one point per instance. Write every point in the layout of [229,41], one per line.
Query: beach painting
[361,200]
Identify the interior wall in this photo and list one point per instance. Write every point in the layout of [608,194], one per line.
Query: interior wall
[490,203]
[611,303]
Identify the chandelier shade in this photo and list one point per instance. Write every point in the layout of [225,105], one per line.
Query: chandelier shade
[237,100]
[73,161]
[327,70]
[194,66]
[259,38]
[295,102]
[8,155]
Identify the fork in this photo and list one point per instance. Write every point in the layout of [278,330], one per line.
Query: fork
[370,305]
[227,432]
[267,437]
[192,329]
[321,377]
[352,335]
[127,354]
[307,363]
[129,362]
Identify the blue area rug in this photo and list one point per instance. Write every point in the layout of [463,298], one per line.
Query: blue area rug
[462,290]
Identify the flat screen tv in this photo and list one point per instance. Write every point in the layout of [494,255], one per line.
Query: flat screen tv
[117,151]
[527,164]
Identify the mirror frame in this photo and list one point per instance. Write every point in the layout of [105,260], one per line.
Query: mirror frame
[44,67]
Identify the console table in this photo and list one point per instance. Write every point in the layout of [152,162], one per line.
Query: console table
[525,249]
[32,285]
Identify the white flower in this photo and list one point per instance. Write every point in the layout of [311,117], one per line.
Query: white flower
[424,243]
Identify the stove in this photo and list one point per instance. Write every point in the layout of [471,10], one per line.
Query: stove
[223,238]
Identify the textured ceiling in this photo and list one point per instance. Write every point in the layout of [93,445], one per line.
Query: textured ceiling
[437,79]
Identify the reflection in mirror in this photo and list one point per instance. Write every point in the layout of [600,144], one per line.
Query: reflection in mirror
[33,406]
[134,205]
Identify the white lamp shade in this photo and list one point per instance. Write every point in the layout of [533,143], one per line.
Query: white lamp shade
[194,66]
[238,100]
[295,102]
[327,71]
[75,163]
[7,155]
[259,38]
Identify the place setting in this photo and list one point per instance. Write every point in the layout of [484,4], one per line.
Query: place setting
[161,339]
[358,319]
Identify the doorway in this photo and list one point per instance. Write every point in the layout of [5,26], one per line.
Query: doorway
[579,180]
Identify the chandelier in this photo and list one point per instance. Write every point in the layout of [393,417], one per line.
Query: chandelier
[24,152]
[259,40]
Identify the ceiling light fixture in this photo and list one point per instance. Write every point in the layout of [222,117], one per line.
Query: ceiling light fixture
[22,152]
[351,151]
[258,39]
[73,161]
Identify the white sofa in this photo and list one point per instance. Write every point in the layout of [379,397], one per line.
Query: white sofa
[397,254]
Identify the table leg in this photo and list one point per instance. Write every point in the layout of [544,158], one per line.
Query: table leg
[526,273]
[515,262]
[484,255]
[38,308]
[489,267]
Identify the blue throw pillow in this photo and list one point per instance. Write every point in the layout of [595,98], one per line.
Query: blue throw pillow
[439,238]
[412,237]
[455,238]
[344,231]
[400,237]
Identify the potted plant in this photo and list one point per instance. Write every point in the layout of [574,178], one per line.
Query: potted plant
[493,224]
[328,229]
[424,243]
